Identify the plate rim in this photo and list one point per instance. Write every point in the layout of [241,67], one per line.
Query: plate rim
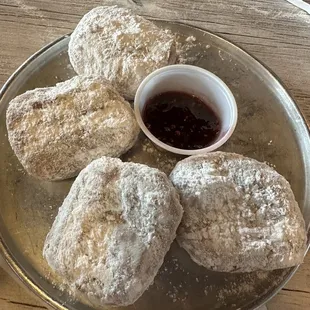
[4,250]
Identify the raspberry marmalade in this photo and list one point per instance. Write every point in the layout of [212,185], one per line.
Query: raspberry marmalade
[181,120]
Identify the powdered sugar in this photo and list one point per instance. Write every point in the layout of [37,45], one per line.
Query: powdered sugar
[146,152]
[56,131]
[121,46]
[245,216]
[185,48]
[113,231]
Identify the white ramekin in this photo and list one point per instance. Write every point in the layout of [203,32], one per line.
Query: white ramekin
[196,81]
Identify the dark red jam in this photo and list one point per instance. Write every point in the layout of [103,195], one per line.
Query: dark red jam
[181,120]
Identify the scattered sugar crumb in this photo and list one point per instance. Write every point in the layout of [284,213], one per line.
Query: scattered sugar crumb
[158,158]
[221,55]
[270,164]
[183,50]
[190,39]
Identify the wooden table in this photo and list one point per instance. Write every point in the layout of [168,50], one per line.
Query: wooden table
[276,32]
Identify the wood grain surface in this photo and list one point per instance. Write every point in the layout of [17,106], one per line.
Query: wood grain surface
[274,31]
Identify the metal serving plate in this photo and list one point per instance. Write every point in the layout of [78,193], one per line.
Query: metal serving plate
[270,128]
